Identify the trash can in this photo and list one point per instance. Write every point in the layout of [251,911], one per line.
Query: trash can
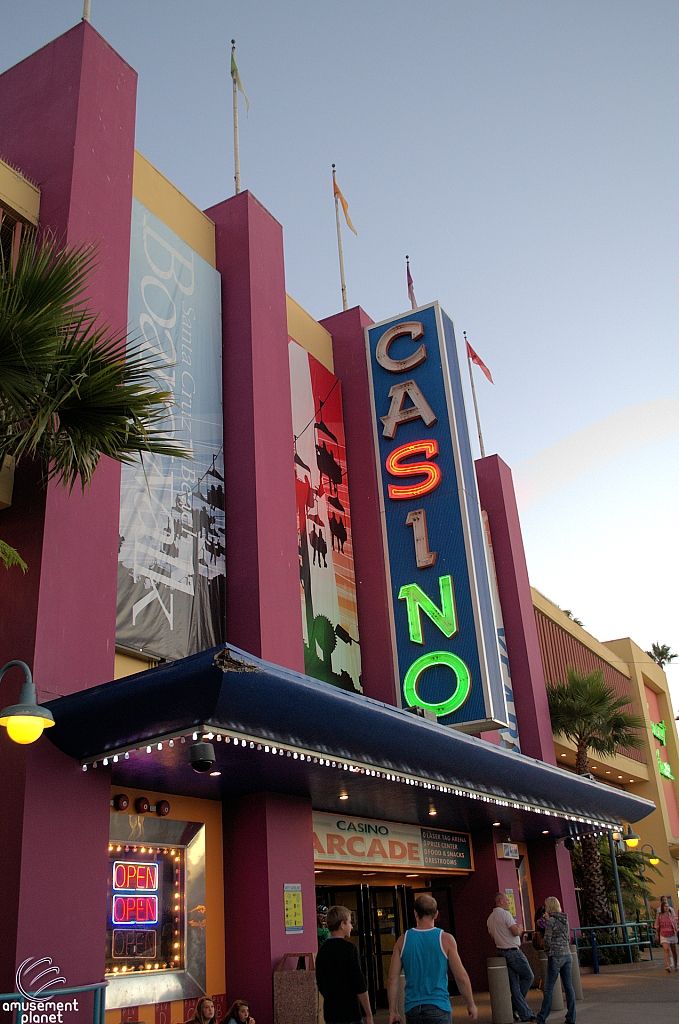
[500,992]
[295,997]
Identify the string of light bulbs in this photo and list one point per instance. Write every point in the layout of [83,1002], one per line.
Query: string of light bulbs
[340,763]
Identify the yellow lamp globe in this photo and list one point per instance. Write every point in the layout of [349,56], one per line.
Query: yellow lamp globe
[631,838]
[26,728]
[26,720]
[654,860]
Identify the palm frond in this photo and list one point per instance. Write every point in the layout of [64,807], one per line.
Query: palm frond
[586,710]
[9,556]
[72,390]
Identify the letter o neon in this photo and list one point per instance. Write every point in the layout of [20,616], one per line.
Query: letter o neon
[459,695]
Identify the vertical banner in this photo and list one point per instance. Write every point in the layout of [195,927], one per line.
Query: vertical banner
[445,641]
[328,586]
[171,550]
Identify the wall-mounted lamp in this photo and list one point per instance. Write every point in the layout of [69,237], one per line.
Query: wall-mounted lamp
[26,720]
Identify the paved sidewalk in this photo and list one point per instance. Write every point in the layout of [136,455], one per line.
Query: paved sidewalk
[646,996]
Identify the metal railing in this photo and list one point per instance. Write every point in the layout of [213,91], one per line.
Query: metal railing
[641,938]
[18,1001]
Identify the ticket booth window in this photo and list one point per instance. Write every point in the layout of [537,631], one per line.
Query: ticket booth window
[146,909]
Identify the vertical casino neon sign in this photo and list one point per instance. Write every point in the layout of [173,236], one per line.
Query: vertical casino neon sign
[419,444]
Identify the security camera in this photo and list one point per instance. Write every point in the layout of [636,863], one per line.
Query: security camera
[201,756]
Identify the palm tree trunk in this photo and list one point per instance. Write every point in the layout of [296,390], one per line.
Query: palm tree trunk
[581,759]
[596,903]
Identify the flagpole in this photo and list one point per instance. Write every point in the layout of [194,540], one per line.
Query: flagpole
[476,407]
[86,9]
[236,144]
[345,304]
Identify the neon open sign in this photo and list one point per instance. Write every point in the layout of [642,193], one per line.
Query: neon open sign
[445,644]
[135,910]
[131,876]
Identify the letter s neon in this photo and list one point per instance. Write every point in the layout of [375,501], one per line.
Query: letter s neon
[397,467]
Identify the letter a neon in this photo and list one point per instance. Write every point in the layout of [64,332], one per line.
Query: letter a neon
[417,601]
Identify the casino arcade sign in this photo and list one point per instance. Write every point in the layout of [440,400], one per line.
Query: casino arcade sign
[443,630]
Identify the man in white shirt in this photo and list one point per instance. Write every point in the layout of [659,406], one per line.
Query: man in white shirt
[506,935]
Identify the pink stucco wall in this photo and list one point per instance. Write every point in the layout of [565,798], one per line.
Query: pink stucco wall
[268,842]
[67,122]
[263,611]
[68,115]
[349,354]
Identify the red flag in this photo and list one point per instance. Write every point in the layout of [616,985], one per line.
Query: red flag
[471,354]
[411,289]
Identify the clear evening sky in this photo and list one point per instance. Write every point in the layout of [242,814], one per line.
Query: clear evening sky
[524,153]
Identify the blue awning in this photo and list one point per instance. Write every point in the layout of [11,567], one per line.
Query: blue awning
[328,743]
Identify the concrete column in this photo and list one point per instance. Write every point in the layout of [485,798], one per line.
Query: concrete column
[474,899]
[551,875]
[53,862]
[496,492]
[349,354]
[68,114]
[263,608]
[268,842]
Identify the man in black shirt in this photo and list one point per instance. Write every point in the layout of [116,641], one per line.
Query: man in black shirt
[339,977]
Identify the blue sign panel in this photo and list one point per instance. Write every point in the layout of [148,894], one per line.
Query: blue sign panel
[445,642]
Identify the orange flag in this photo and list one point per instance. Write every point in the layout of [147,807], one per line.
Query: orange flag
[345,206]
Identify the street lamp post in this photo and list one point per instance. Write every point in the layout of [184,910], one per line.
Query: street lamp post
[618,893]
[653,859]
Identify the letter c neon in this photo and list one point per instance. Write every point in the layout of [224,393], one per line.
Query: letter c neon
[459,695]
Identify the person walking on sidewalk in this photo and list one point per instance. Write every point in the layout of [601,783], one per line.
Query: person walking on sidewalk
[666,932]
[559,962]
[339,977]
[425,953]
[506,935]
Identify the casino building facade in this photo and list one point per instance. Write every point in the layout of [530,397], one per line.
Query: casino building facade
[302,666]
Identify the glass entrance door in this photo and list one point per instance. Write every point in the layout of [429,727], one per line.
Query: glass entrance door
[378,914]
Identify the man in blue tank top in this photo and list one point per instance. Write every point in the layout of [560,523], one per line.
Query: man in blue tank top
[425,953]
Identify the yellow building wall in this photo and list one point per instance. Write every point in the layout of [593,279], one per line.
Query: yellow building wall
[129,664]
[20,195]
[656,828]
[642,779]
[308,333]
[162,198]
[184,808]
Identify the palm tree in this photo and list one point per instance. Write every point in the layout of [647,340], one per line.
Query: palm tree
[586,711]
[71,389]
[661,654]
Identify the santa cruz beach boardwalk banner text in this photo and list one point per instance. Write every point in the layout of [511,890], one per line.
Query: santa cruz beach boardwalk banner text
[171,565]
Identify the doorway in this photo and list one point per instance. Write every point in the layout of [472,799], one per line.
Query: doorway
[380,914]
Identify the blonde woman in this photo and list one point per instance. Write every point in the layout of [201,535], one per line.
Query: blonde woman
[666,932]
[557,948]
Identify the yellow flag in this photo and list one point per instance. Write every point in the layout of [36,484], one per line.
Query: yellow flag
[345,206]
[236,77]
